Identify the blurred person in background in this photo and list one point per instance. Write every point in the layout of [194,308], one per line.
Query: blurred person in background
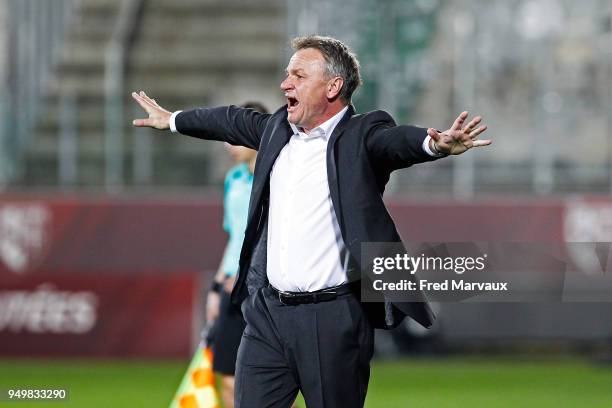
[220,312]
[317,196]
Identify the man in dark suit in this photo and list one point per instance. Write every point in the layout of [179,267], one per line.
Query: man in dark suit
[317,196]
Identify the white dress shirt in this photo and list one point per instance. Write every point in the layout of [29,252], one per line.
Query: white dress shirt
[305,246]
[306,251]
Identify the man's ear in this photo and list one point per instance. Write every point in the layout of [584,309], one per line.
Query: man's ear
[334,86]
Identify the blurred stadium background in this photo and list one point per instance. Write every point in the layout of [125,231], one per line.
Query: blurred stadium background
[108,233]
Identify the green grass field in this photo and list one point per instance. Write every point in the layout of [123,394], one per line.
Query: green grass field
[477,382]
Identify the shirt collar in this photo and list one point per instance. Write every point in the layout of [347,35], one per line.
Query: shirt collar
[326,128]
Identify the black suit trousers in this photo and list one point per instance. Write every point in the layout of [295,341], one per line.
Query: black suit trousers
[321,349]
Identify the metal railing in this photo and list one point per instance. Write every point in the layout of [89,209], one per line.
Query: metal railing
[32,33]
[115,58]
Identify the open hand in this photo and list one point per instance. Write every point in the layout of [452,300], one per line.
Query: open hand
[458,138]
[159,118]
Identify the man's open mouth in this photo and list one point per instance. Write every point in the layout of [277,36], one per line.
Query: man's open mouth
[292,103]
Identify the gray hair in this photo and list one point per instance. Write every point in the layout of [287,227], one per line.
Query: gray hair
[340,61]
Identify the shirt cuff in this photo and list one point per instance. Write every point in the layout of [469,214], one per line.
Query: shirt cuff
[173,123]
[425,142]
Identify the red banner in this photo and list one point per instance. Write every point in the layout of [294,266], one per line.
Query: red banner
[136,315]
[47,235]
[119,276]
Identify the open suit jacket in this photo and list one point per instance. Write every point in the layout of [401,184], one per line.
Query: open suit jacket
[362,152]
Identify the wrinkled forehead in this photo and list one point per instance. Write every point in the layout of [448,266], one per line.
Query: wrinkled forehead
[308,59]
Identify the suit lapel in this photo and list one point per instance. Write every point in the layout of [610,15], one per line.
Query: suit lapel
[281,133]
[332,169]
[274,143]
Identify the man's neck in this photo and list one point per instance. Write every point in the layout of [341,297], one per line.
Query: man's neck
[324,129]
[329,113]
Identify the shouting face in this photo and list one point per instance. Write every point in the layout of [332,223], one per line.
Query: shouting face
[309,90]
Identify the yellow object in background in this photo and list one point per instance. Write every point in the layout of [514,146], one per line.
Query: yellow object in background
[197,390]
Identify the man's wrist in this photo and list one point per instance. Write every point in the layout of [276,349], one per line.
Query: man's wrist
[428,146]
[435,150]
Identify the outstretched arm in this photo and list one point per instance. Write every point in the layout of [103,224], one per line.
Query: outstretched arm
[396,147]
[232,124]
